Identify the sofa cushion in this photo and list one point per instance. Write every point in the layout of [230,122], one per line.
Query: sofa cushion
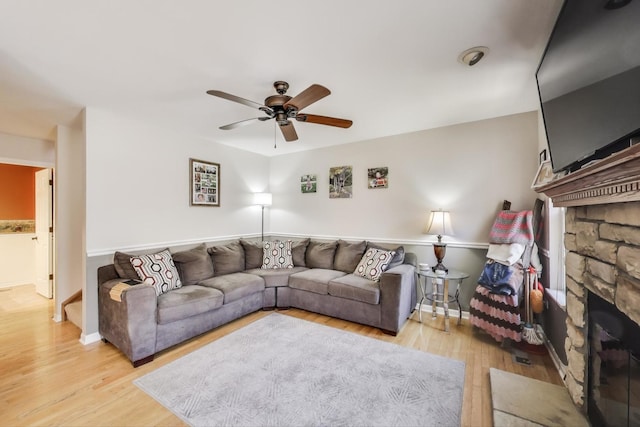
[193,265]
[252,254]
[348,255]
[122,263]
[227,258]
[373,263]
[315,280]
[157,270]
[398,258]
[356,288]
[186,302]
[277,277]
[320,254]
[277,254]
[235,286]
[299,251]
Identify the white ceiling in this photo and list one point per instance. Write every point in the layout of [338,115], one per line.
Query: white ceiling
[391,65]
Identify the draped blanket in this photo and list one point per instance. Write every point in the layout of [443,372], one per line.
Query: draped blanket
[495,303]
[512,227]
[498,315]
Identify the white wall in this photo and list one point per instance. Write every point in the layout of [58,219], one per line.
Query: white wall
[69,215]
[138,187]
[21,150]
[17,259]
[468,169]
[137,194]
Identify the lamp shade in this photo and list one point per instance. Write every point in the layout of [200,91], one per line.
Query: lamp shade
[440,223]
[262,199]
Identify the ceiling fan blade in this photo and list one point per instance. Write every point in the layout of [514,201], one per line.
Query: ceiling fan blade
[289,132]
[243,123]
[324,120]
[234,98]
[307,97]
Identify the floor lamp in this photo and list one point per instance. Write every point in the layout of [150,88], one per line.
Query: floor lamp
[262,199]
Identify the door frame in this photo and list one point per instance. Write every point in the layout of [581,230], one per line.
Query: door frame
[45,267]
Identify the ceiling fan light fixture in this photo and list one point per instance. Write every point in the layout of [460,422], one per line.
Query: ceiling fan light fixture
[282,107]
[473,55]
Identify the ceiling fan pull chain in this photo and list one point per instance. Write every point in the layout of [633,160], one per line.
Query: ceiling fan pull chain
[275,135]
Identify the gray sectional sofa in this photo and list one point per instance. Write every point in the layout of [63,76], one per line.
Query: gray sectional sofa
[224,282]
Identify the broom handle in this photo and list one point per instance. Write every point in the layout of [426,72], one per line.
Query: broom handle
[527,296]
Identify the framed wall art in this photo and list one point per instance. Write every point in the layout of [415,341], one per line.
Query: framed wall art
[204,179]
[542,156]
[378,177]
[341,182]
[544,175]
[308,183]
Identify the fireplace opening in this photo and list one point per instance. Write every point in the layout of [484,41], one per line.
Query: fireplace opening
[613,365]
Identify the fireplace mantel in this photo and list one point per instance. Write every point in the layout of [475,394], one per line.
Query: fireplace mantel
[614,179]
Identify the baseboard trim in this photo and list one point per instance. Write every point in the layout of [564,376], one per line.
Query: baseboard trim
[560,367]
[453,313]
[90,338]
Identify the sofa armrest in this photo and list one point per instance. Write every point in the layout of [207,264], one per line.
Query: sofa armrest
[397,296]
[129,324]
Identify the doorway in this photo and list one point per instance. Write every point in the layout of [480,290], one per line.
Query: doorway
[26,215]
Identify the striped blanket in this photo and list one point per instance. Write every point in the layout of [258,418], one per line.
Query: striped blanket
[512,227]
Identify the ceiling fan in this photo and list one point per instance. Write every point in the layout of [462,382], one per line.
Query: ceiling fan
[282,108]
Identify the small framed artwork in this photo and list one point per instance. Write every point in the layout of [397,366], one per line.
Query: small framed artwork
[341,182]
[544,175]
[204,183]
[308,183]
[542,156]
[378,178]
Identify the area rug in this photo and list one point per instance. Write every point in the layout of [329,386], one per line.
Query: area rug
[284,371]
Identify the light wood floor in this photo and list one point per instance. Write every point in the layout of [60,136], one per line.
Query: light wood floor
[48,378]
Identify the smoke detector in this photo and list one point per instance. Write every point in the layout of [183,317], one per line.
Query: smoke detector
[472,56]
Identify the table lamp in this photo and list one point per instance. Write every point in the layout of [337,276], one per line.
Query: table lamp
[440,225]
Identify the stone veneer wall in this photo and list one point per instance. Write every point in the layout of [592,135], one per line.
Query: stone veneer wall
[603,256]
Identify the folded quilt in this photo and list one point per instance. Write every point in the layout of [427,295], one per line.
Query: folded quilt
[512,227]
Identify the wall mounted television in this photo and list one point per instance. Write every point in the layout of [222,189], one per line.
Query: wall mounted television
[589,81]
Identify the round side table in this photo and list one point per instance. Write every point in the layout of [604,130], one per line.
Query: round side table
[440,295]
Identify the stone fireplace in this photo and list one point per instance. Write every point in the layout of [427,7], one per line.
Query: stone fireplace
[602,240]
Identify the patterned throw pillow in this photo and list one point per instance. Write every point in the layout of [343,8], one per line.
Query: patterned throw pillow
[277,254]
[373,263]
[157,270]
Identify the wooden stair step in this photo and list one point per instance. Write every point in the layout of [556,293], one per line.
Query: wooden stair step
[74,313]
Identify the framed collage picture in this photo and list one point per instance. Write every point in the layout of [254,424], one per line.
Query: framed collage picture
[204,179]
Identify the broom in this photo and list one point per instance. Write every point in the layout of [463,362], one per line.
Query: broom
[529,333]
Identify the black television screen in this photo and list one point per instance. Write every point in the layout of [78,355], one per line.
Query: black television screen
[589,81]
